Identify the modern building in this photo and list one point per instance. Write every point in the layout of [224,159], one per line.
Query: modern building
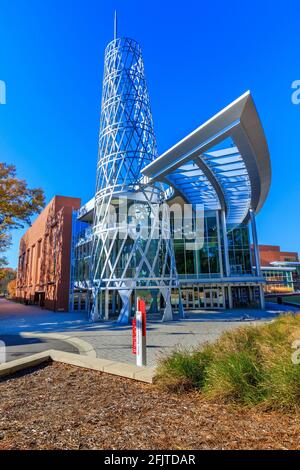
[175,228]
[44,256]
[281,269]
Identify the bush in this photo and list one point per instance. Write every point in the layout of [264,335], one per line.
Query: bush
[250,366]
[184,369]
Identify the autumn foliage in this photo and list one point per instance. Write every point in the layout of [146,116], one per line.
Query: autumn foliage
[18,204]
[11,288]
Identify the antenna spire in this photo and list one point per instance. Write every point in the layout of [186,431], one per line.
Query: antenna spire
[115,25]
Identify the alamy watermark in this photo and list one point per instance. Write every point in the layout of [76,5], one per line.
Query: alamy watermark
[2,92]
[140,220]
[296,94]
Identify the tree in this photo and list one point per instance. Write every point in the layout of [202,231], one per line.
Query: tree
[5,242]
[11,288]
[18,204]
[6,275]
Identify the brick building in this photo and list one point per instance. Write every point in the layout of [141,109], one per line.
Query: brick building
[44,256]
[281,269]
[271,253]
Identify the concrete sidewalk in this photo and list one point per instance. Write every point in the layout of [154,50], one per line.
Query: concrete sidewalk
[17,346]
[112,341]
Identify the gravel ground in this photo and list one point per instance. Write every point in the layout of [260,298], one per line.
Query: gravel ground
[64,407]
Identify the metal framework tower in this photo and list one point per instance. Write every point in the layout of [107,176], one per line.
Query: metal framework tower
[126,145]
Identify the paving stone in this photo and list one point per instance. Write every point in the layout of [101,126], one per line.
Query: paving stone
[113,342]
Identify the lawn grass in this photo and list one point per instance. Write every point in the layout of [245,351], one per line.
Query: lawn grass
[251,365]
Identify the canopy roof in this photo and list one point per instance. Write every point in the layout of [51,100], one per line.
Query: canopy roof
[223,164]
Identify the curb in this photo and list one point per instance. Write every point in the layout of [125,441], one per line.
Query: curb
[17,365]
[83,347]
[142,374]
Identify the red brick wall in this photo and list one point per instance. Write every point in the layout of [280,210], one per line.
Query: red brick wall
[270,253]
[44,255]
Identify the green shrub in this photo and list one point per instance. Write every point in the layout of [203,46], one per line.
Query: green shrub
[184,369]
[251,366]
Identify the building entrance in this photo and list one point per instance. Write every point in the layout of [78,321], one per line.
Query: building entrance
[39,298]
[80,302]
[213,298]
[245,297]
[199,297]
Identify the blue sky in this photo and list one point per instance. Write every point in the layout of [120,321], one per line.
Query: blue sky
[199,56]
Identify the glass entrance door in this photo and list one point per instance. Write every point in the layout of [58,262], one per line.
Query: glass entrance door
[80,302]
[191,298]
[199,297]
[207,298]
[213,298]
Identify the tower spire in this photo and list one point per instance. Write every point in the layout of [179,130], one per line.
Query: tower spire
[115,25]
[126,145]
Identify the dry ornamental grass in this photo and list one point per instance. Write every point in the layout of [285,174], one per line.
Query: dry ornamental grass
[249,366]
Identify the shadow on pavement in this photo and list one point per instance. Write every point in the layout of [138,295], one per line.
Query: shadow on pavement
[17,346]
[19,318]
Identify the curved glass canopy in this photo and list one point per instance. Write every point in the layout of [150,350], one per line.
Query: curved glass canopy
[230,170]
[190,181]
[224,164]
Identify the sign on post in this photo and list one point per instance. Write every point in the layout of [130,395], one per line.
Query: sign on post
[139,346]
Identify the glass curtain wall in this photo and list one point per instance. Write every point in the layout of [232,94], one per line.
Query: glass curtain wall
[82,253]
[239,250]
[278,281]
[203,262]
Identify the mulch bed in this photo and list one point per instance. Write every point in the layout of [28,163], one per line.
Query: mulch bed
[64,407]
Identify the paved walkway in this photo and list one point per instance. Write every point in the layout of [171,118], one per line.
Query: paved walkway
[113,341]
[17,346]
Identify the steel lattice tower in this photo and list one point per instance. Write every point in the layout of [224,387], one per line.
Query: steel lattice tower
[126,144]
[127,141]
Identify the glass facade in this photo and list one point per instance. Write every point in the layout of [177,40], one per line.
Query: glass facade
[239,250]
[278,280]
[204,262]
[208,261]
[80,266]
[194,266]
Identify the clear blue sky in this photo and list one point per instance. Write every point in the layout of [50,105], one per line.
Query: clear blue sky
[199,56]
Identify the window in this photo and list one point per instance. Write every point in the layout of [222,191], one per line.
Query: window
[239,250]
